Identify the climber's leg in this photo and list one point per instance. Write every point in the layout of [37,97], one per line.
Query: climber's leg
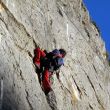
[46,82]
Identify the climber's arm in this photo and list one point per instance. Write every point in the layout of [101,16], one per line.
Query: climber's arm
[58,76]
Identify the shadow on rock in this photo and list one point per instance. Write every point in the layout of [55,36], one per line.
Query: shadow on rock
[51,99]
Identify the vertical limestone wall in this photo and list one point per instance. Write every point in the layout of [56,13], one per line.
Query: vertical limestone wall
[85,79]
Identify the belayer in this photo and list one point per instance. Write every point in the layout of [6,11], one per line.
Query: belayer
[46,64]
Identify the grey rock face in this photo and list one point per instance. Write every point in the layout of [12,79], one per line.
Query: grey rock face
[52,24]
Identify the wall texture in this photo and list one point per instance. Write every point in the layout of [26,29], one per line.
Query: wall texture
[51,24]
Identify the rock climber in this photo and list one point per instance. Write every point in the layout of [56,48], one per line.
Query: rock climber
[47,64]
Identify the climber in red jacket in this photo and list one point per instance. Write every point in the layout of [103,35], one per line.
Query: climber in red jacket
[38,55]
[51,62]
